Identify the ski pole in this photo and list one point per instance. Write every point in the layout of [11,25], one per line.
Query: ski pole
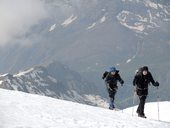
[158,101]
[134,94]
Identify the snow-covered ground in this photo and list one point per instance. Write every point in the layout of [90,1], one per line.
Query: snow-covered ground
[22,110]
[69,21]
[52,27]
[156,110]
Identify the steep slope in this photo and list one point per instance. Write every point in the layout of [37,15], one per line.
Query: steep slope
[25,110]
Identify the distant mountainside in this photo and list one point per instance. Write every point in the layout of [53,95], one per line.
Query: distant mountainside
[91,35]
[55,80]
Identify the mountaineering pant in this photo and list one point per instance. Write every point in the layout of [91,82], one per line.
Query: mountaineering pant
[140,109]
[112,98]
[112,92]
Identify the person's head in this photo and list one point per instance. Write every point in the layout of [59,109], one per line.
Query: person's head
[112,73]
[145,70]
[112,70]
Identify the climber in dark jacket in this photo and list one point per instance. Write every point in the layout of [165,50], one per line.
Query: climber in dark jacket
[141,81]
[111,78]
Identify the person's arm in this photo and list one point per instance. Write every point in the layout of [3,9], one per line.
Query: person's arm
[151,78]
[104,75]
[156,84]
[120,79]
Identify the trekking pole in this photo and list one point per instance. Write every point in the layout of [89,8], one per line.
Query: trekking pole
[134,94]
[158,101]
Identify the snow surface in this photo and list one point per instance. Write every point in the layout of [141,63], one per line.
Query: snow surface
[52,27]
[151,4]
[129,60]
[139,23]
[69,21]
[151,111]
[123,18]
[103,19]
[22,110]
[23,72]
[91,26]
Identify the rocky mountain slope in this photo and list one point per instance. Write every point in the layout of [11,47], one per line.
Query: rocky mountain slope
[55,80]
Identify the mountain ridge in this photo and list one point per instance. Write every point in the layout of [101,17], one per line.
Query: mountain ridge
[55,80]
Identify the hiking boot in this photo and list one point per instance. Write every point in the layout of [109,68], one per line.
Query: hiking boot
[137,112]
[111,107]
[141,115]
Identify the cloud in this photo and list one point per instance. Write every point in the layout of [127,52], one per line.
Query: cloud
[18,16]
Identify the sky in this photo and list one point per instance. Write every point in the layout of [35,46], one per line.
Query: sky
[23,110]
[18,16]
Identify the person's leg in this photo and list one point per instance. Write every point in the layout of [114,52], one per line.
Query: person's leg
[138,92]
[112,98]
[111,104]
[141,106]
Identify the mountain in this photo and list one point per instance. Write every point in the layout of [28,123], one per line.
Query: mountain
[89,37]
[97,38]
[92,37]
[54,80]
[23,110]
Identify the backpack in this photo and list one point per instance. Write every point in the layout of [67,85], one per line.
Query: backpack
[138,71]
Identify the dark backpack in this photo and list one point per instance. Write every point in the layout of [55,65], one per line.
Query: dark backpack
[139,71]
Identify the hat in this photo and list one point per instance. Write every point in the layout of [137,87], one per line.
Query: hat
[112,69]
[145,68]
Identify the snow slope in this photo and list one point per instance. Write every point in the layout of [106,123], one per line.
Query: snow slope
[22,110]
[151,111]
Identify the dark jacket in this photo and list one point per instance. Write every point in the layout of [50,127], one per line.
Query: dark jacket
[112,80]
[141,82]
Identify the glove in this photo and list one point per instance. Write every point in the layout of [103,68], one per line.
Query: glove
[156,84]
[122,82]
